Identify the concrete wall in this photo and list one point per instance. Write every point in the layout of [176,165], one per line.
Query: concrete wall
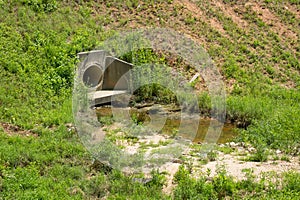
[101,72]
[115,74]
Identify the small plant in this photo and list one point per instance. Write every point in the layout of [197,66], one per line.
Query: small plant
[212,155]
[223,184]
[106,120]
[261,155]
[249,182]
[291,181]
[225,149]
[275,157]
[285,158]
[165,142]
[158,179]
[203,161]
[174,132]
[189,20]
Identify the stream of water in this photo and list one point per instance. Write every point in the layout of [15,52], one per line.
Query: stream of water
[168,122]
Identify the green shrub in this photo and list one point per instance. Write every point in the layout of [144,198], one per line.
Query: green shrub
[291,181]
[41,5]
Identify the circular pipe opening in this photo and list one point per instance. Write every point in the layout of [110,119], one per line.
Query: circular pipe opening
[92,76]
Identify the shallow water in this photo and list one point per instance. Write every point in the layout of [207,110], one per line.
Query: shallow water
[164,121]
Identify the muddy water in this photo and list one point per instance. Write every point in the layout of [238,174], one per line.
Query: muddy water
[164,121]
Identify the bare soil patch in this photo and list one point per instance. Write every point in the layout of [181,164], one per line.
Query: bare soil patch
[197,12]
[235,163]
[270,19]
[228,10]
[11,130]
[294,10]
[235,166]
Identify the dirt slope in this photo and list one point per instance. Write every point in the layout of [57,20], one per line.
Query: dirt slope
[242,37]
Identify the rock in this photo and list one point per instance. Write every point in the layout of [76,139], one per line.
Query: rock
[70,127]
[251,149]
[278,151]
[243,144]
[177,161]
[142,180]
[240,149]
[233,144]
[143,105]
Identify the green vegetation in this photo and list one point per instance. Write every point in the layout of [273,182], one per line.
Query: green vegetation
[223,186]
[41,157]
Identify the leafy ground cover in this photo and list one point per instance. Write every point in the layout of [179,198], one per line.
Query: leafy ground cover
[41,156]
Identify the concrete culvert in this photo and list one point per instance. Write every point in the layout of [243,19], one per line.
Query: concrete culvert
[93,76]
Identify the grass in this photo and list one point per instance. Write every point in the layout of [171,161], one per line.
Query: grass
[223,186]
[38,45]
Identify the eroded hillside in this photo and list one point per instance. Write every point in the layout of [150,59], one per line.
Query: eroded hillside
[254,43]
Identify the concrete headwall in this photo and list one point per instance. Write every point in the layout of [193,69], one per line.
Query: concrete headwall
[101,72]
[115,74]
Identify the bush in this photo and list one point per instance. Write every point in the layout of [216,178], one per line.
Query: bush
[41,5]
